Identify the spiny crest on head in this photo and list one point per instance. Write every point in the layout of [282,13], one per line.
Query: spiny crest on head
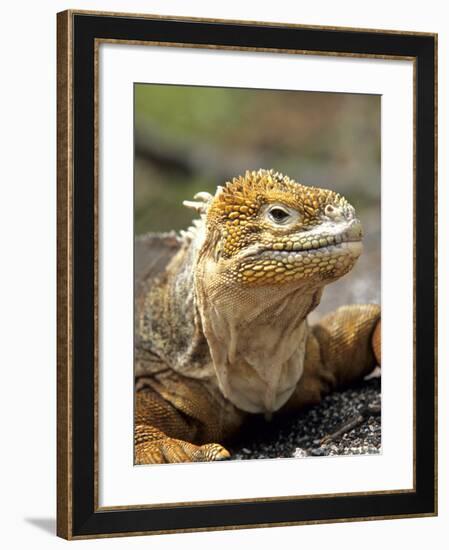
[243,195]
[200,204]
[257,182]
[240,199]
[253,183]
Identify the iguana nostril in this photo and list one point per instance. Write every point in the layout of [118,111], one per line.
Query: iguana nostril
[332,211]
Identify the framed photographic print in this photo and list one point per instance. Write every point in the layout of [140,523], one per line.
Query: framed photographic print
[246,274]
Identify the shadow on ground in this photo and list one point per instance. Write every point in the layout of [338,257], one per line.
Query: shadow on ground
[45,524]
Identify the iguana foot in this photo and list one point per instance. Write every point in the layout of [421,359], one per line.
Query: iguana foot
[170,450]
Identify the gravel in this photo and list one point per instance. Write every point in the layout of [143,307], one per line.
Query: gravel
[302,435]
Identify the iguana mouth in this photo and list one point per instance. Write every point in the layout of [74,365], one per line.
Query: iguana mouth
[321,237]
[324,249]
[329,251]
[310,243]
[329,247]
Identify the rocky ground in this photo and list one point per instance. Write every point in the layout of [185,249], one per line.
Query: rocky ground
[344,423]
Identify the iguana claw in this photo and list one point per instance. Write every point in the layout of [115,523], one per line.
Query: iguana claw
[168,450]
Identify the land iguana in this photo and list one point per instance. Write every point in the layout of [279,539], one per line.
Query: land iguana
[221,315]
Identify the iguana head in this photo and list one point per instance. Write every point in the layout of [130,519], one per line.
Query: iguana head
[264,228]
[267,246]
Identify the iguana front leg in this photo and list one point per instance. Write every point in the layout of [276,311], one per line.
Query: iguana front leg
[341,349]
[162,434]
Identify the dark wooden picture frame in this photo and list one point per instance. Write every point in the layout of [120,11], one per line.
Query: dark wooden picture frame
[79,515]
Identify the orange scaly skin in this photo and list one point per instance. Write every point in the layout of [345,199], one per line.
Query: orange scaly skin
[221,315]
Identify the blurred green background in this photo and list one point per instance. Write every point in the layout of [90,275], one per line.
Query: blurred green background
[190,139]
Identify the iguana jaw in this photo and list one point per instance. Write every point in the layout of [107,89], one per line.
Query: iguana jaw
[324,254]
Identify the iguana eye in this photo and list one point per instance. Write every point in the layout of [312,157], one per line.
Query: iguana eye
[278,214]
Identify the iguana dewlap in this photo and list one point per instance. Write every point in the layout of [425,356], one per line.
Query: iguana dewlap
[221,315]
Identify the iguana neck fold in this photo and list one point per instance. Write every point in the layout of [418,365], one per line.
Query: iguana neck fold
[257,341]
